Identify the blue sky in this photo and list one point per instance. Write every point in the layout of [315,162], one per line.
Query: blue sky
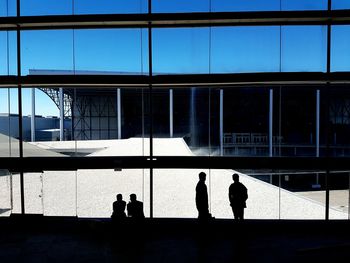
[179,50]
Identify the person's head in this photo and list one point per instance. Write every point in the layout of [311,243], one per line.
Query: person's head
[235,177]
[119,197]
[132,197]
[202,176]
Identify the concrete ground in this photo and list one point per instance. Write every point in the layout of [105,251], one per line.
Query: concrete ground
[338,199]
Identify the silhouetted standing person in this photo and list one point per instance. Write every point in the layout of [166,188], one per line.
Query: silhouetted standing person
[202,198]
[135,208]
[119,208]
[238,195]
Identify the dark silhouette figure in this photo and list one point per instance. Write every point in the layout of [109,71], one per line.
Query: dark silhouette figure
[119,208]
[135,208]
[238,195]
[202,198]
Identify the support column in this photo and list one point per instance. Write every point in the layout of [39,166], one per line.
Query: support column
[61,115]
[318,123]
[32,118]
[119,114]
[171,113]
[221,122]
[271,123]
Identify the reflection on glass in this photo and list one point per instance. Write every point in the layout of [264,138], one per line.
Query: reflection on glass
[340,53]
[340,4]
[8,53]
[339,195]
[179,6]
[110,7]
[294,121]
[9,132]
[47,7]
[111,51]
[97,190]
[6,201]
[180,50]
[47,52]
[245,49]
[304,48]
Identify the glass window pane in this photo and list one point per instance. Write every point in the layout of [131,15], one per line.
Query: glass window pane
[8,8]
[244,5]
[304,48]
[175,192]
[294,121]
[302,194]
[339,120]
[33,193]
[110,7]
[304,4]
[183,128]
[6,188]
[340,53]
[47,7]
[9,144]
[96,122]
[97,190]
[180,50]
[111,51]
[339,195]
[245,49]
[47,52]
[59,196]
[244,117]
[340,4]
[8,53]
[177,6]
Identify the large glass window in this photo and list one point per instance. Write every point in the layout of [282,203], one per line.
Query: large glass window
[340,52]
[6,201]
[7,8]
[9,125]
[245,49]
[110,7]
[178,6]
[8,53]
[111,51]
[47,7]
[340,4]
[189,50]
[295,130]
[304,48]
[47,52]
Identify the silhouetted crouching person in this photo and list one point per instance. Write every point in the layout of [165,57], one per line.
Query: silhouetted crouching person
[238,195]
[135,208]
[202,198]
[119,208]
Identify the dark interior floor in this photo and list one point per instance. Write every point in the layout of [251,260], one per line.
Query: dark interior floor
[54,239]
